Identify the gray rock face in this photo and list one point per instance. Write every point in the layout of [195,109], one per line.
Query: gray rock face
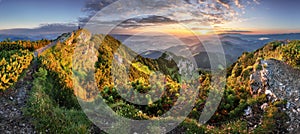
[279,81]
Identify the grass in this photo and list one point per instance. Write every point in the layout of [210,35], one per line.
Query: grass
[48,116]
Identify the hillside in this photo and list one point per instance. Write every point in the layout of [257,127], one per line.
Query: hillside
[271,72]
[17,68]
[60,87]
[260,95]
[237,95]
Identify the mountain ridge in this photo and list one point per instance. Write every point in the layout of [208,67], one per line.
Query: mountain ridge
[243,108]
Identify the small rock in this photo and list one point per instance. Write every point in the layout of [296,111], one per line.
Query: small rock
[11,98]
[22,125]
[288,105]
[248,111]
[264,106]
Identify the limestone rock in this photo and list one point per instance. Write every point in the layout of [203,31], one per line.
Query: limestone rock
[279,81]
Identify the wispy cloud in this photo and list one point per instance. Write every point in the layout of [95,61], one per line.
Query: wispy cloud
[237,31]
[257,1]
[207,12]
[225,3]
[238,3]
[43,29]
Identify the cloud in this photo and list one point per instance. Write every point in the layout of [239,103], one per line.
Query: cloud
[146,21]
[55,27]
[238,3]
[43,29]
[225,3]
[256,1]
[237,31]
[198,12]
[93,6]
[150,19]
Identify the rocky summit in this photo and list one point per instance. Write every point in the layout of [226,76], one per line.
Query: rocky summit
[279,81]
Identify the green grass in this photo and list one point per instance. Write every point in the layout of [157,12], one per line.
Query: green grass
[47,116]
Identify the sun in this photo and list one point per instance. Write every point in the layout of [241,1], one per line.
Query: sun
[203,32]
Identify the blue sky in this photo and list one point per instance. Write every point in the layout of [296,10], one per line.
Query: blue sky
[272,16]
[264,16]
[32,13]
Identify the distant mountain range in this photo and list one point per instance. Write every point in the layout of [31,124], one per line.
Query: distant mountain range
[233,44]
[47,31]
[28,37]
[153,46]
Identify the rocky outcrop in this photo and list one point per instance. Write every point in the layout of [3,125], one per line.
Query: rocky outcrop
[279,81]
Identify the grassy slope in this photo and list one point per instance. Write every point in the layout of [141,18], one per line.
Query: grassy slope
[59,100]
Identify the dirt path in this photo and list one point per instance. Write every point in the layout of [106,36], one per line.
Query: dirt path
[13,101]
[39,51]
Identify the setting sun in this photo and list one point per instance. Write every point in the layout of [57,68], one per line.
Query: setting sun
[203,32]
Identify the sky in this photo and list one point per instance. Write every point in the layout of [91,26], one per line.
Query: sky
[32,13]
[203,16]
[270,16]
